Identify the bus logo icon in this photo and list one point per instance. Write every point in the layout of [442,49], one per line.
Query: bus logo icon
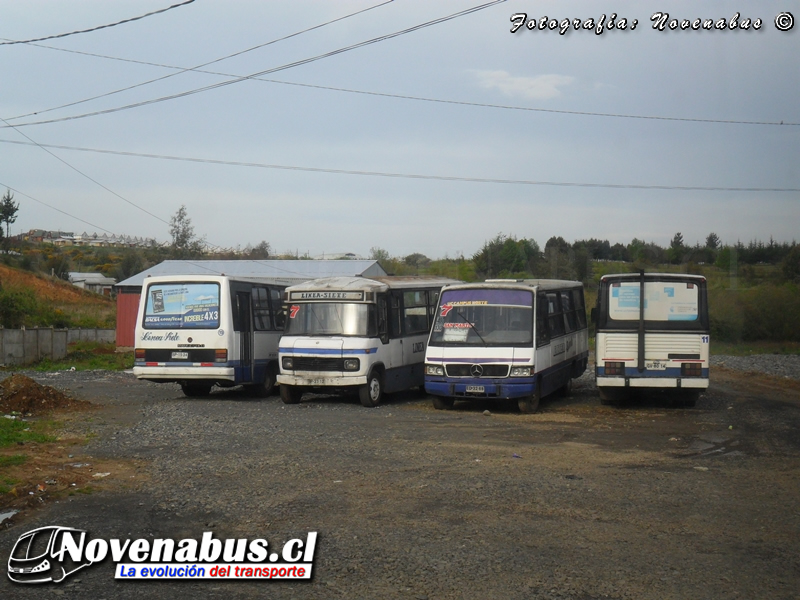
[39,556]
[476,370]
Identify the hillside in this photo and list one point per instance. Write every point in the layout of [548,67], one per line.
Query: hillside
[32,300]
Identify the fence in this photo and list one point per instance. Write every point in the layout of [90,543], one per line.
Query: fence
[24,346]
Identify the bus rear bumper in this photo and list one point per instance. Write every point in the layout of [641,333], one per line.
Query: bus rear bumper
[499,389]
[171,374]
[653,382]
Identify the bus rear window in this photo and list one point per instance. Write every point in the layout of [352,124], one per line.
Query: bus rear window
[182,306]
[663,301]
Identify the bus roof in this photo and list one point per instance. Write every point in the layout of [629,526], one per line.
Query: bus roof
[525,284]
[374,284]
[162,279]
[677,276]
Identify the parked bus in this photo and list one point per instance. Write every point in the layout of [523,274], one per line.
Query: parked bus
[355,333]
[200,331]
[652,331]
[486,343]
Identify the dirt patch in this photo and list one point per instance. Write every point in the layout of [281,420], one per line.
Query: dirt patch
[22,394]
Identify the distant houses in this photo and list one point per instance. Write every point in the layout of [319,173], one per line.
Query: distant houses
[93,282]
[68,238]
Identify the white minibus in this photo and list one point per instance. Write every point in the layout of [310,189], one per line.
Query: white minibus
[486,343]
[200,331]
[652,332]
[356,333]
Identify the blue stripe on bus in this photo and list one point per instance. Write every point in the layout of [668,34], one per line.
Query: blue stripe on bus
[474,360]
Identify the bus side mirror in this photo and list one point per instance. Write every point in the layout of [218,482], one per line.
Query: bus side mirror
[594,315]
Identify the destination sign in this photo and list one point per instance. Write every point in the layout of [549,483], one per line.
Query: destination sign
[353,296]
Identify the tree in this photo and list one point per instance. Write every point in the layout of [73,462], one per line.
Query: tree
[184,242]
[8,212]
[676,249]
[712,241]
[260,251]
[379,254]
[506,256]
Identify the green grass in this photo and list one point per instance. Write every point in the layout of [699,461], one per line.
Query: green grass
[13,460]
[86,356]
[13,431]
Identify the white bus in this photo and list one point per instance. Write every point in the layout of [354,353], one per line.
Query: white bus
[200,331]
[355,333]
[652,331]
[486,343]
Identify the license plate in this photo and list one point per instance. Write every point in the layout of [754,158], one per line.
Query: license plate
[655,365]
[475,389]
[180,355]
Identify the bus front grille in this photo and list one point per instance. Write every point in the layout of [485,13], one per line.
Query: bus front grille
[463,370]
[314,363]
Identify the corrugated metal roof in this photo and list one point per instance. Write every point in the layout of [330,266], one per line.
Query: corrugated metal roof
[302,270]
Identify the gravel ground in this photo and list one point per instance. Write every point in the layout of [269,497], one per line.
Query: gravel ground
[579,501]
[780,365]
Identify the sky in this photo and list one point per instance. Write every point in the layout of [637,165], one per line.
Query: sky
[433,141]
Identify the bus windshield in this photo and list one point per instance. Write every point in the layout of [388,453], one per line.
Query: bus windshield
[484,317]
[182,306]
[663,301]
[331,318]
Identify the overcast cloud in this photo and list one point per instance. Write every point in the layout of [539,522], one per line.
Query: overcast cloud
[357,149]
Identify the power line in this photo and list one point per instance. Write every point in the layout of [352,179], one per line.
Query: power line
[413,175]
[34,143]
[291,65]
[62,35]
[197,68]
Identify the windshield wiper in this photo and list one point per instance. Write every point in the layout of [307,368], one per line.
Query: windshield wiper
[472,326]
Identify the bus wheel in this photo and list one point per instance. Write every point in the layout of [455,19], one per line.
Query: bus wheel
[606,397]
[372,393]
[566,389]
[264,390]
[196,390]
[530,404]
[689,399]
[442,403]
[291,394]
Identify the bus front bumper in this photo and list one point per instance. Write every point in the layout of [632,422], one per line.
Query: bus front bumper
[322,380]
[654,382]
[481,388]
[168,374]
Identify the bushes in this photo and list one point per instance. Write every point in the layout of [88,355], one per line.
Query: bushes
[766,312]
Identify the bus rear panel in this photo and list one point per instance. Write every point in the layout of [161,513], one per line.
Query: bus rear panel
[652,332]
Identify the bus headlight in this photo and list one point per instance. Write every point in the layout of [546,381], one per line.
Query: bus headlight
[287,363]
[434,370]
[520,372]
[351,364]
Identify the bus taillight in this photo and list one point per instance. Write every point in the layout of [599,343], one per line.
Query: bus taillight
[221,355]
[691,369]
[139,354]
[615,368]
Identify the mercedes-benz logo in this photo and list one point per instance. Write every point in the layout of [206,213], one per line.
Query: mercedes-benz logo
[476,370]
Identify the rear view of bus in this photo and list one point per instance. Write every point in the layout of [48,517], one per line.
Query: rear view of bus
[652,332]
[507,339]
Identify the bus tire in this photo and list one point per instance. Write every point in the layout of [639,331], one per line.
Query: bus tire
[606,397]
[443,403]
[530,404]
[291,394]
[196,390]
[372,393]
[264,390]
[566,389]
[689,399]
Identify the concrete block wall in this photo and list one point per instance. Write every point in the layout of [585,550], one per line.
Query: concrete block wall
[25,346]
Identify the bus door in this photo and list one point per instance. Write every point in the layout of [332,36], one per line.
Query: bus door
[244,326]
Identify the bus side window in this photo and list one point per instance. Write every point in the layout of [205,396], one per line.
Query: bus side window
[415,312]
[433,302]
[580,308]
[569,311]
[261,313]
[395,316]
[542,335]
[554,316]
[383,319]
[276,298]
